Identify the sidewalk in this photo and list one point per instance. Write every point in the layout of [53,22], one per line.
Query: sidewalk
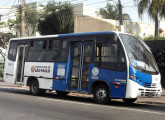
[160,100]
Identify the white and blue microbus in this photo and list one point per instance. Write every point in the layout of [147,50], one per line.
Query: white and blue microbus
[105,64]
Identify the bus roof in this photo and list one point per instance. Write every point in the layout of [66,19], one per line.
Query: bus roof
[67,35]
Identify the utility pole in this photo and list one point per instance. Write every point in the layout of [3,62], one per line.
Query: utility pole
[22,33]
[120,13]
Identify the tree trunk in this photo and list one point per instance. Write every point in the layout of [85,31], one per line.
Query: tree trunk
[156,26]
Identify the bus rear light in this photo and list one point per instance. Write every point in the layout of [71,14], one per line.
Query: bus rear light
[85,79]
[7,74]
[41,76]
[116,83]
[56,78]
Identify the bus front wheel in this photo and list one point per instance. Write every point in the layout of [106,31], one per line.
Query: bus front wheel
[101,94]
[129,101]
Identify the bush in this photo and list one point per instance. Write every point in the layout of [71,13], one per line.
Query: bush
[149,38]
[1,73]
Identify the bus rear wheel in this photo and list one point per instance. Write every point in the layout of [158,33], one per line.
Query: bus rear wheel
[101,94]
[129,101]
[35,90]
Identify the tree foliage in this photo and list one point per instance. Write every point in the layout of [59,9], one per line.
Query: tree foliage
[4,39]
[31,18]
[111,12]
[154,8]
[56,18]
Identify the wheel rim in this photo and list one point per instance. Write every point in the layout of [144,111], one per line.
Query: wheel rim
[101,94]
[34,87]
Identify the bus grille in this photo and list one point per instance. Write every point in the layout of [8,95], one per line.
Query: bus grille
[147,84]
[149,92]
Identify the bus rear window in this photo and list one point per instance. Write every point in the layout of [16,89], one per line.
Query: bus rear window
[12,51]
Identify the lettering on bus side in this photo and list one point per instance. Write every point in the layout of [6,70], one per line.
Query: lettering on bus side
[121,81]
[45,69]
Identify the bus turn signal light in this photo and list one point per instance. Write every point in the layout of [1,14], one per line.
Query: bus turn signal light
[116,86]
[133,77]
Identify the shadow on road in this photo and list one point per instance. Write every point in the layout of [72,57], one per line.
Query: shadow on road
[88,100]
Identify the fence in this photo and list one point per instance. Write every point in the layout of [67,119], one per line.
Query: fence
[158,50]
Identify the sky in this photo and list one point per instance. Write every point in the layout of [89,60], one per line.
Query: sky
[129,6]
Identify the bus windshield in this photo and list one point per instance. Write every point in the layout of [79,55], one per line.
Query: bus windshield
[139,54]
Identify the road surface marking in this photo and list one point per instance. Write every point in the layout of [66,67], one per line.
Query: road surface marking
[103,106]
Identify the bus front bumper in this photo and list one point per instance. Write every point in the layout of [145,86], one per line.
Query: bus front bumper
[149,92]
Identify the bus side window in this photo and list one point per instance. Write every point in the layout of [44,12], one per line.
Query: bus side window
[57,51]
[37,51]
[12,51]
[109,54]
[105,52]
[52,50]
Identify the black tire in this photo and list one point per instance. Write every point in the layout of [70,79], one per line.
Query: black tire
[35,90]
[60,93]
[42,91]
[129,101]
[101,94]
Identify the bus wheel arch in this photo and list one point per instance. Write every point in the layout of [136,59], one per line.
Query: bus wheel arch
[30,79]
[101,92]
[34,86]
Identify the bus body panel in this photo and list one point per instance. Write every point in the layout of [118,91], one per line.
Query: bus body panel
[115,79]
[144,85]
[9,71]
[60,76]
[43,71]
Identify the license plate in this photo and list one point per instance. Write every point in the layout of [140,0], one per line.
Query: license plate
[150,95]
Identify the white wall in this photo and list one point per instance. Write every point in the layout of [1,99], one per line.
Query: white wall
[81,9]
[162,27]
[6,13]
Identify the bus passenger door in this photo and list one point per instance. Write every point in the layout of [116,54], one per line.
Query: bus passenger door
[20,61]
[81,57]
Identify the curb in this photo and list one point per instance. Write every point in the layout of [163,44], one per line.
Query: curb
[152,102]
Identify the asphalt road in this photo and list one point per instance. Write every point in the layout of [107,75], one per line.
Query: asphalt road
[18,104]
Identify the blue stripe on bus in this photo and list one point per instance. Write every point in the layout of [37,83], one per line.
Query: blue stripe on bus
[87,33]
[142,79]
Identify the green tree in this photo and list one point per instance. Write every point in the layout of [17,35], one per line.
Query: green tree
[4,39]
[111,12]
[31,19]
[154,8]
[126,17]
[56,18]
